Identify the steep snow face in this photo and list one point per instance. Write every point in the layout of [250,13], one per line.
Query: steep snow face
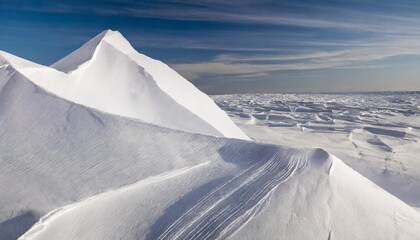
[71,172]
[108,74]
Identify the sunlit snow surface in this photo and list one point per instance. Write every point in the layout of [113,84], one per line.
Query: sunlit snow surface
[123,147]
[377,134]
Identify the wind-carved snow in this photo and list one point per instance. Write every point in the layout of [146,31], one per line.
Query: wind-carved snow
[74,172]
[225,209]
[377,134]
[108,74]
[51,216]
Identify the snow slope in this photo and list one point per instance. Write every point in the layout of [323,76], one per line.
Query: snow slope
[377,134]
[108,74]
[73,172]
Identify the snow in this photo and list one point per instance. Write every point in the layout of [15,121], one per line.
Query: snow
[72,171]
[376,134]
[108,74]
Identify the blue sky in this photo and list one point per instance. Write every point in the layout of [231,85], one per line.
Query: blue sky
[238,46]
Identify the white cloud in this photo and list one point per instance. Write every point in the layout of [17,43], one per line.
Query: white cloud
[244,66]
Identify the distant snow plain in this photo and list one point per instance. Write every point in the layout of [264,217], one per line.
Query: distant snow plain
[110,144]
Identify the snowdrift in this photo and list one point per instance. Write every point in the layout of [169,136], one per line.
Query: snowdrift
[73,172]
[108,74]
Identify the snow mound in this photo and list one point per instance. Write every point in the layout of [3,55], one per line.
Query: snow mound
[73,172]
[108,74]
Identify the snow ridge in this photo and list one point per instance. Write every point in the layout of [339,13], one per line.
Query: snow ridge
[108,74]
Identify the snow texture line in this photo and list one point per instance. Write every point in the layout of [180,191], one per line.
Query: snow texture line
[222,211]
[49,217]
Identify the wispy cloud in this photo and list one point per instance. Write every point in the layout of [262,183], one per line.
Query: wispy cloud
[247,12]
[243,40]
[246,65]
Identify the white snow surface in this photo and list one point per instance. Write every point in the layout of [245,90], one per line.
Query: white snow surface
[68,171]
[108,74]
[377,134]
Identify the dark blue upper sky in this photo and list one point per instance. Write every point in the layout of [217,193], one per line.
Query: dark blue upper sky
[238,46]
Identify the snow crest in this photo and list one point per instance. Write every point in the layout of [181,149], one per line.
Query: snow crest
[108,74]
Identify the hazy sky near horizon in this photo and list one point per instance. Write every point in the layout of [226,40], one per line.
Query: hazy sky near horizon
[238,46]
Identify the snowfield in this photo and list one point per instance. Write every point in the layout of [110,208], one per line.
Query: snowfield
[74,165]
[377,134]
